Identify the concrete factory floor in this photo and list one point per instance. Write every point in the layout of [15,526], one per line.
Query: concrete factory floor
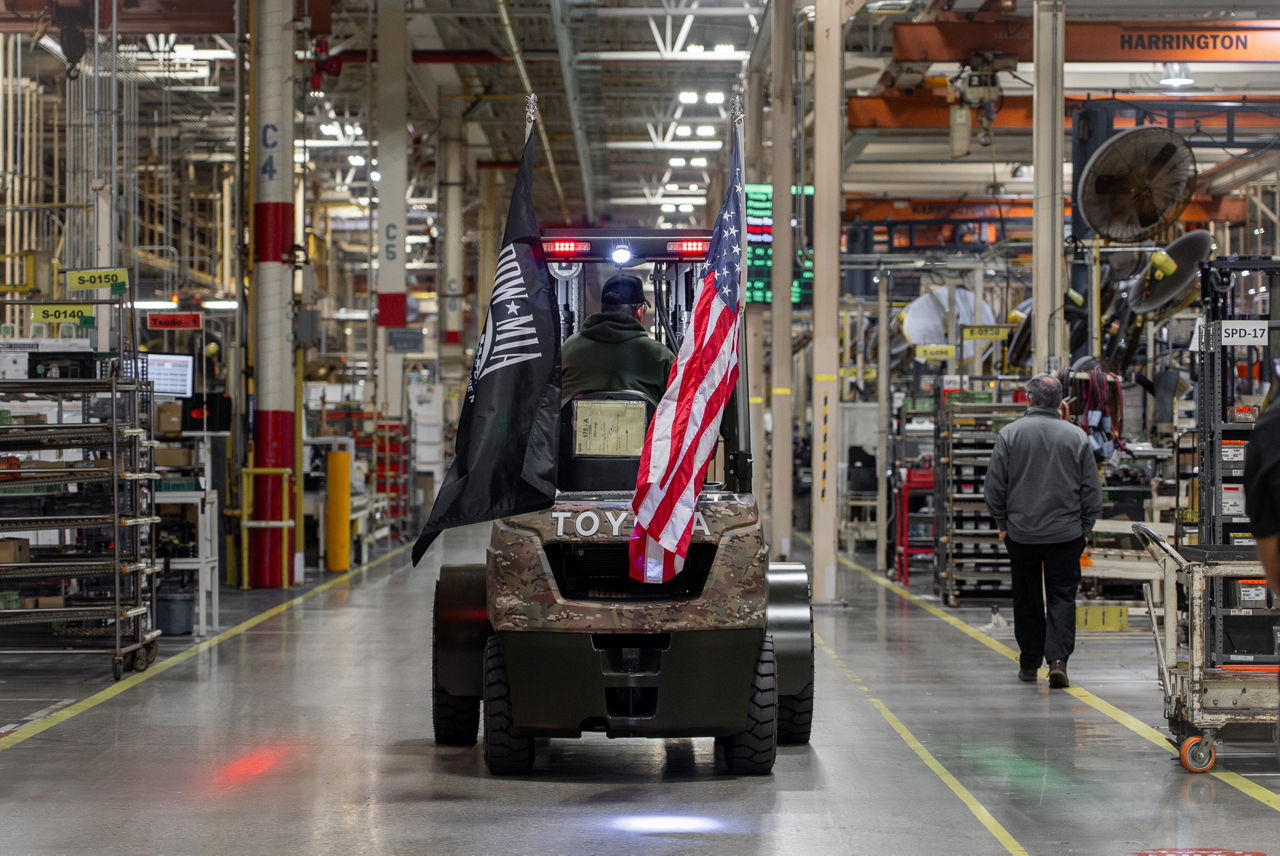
[310,732]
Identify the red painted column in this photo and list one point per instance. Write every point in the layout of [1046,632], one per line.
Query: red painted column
[273,234]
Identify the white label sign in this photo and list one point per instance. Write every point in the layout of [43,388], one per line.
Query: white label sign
[1244,333]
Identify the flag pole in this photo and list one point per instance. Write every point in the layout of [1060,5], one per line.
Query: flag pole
[530,114]
[743,465]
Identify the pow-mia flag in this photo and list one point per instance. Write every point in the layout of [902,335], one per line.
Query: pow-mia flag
[509,429]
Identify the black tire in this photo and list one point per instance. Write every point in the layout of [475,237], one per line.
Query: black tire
[795,717]
[505,752]
[752,752]
[454,719]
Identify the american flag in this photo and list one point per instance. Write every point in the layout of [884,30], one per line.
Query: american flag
[682,436]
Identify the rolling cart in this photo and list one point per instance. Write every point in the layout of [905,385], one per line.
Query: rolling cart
[1208,684]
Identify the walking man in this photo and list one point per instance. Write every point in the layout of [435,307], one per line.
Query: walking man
[1042,489]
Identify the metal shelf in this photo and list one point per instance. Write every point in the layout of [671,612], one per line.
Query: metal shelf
[79,435]
[107,612]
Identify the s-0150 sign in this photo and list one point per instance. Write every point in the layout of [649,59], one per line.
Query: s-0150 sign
[87,280]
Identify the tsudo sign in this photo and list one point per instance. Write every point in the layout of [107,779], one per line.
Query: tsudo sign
[1243,333]
[174,321]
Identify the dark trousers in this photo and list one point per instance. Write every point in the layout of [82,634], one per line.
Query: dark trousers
[1044,635]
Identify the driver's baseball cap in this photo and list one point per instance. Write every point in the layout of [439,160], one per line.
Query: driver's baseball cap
[621,289]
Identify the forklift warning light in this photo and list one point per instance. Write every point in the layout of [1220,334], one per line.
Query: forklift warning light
[697,248]
[565,248]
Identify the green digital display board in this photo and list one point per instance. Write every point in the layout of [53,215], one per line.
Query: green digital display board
[759,199]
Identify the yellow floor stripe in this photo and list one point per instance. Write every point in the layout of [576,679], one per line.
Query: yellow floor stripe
[162,666]
[970,801]
[1137,726]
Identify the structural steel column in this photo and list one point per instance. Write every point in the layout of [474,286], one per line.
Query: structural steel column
[755,314]
[391,118]
[828,199]
[273,242]
[781,399]
[450,273]
[1046,253]
[884,413]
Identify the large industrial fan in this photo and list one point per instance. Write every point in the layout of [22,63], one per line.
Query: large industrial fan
[1137,183]
[1133,188]
[924,321]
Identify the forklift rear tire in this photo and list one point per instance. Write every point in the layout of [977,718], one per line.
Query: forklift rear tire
[795,717]
[752,752]
[455,719]
[505,752]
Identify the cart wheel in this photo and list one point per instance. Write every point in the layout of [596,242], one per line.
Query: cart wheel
[140,660]
[129,660]
[117,668]
[1197,754]
[153,648]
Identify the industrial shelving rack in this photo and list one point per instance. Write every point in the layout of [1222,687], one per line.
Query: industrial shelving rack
[913,513]
[969,558]
[1239,626]
[102,565]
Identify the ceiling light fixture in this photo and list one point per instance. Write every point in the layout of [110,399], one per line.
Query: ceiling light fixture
[688,97]
[723,48]
[715,97]
[683,130]
[706,131]
[677,162]
[673,186]
[1176,74]
[694,49]
[697,162]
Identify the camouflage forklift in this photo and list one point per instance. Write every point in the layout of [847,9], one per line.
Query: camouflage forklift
[552,633]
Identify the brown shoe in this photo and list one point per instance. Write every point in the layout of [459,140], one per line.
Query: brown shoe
[1058,674]
[1027,675]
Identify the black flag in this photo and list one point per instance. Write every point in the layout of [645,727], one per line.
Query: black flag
[509,429]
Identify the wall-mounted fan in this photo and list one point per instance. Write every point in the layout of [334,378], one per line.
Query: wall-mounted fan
[1164,286]
[1137,183]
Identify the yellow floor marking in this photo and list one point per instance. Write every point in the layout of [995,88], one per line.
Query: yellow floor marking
[971,802]
[1137,726]
[168,663]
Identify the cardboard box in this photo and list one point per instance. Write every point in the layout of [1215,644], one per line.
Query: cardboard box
[14,551]
[55,601]
[169,418]
[170,457]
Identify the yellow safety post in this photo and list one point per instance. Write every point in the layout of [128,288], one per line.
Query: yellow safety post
[247,523]
[337,512]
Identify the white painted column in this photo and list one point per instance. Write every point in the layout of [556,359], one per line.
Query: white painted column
[781,399]
[828,198]
[450,274]
[273,60]
[1046,254]
[391,118]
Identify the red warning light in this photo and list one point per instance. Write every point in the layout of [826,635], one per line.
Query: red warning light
[565,248]
[689,248]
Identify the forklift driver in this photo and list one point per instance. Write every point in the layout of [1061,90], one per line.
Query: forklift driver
[613,351]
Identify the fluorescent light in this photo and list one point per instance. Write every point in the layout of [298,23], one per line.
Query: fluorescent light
[345,314]
[221,304]
[375,176]
[676,162]
[715,97]
[685,208]
[355,160]
[706,131]
[693,187]
[668,208]
[698,162]
[688,97]
[724,48]
[694,49]
[155,304]
[683,130]
[1176,74]
[673,186]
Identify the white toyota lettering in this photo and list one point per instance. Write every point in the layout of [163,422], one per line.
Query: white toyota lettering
[700,523]
[593,520]
[616,521]
[561,517]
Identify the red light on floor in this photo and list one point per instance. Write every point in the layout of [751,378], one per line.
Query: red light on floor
[697,248]
[565,248]
[246,768]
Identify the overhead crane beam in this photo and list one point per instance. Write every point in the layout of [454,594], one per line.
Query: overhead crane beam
[1165,41]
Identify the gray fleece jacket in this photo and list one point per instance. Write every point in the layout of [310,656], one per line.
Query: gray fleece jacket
[1042,483]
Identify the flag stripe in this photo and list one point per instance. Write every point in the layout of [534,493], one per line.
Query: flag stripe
[683,433]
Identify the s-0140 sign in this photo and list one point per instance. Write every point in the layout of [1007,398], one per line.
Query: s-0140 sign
[52,313]
[87,280]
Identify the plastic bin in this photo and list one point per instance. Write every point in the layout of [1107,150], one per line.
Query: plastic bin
[176,612]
